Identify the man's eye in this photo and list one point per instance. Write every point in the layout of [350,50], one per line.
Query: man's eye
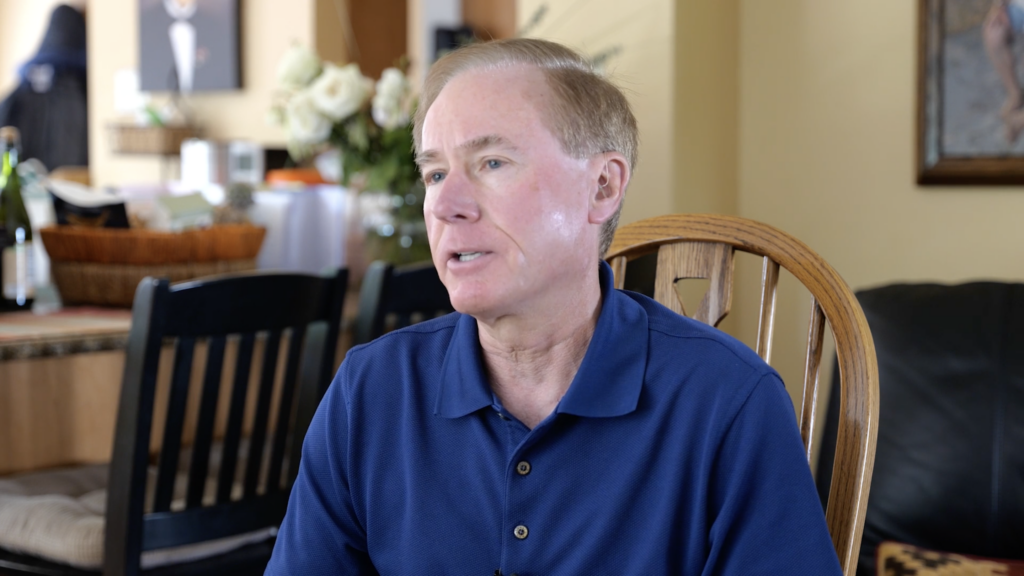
[435,177]
[494,164]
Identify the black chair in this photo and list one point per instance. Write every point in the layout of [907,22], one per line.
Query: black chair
[237,312]
[406,295]
[949,465]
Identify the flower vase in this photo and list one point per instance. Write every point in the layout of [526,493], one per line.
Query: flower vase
[394,227]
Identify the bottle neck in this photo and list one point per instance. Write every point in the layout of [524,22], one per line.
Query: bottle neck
[10,161]
[9,164]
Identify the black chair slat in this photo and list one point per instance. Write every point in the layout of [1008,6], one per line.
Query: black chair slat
[236,417]
[318,338]
[204,426]
[284,409]
[406,291]
[176,403]
[166,529]
[259,432]
[248,295]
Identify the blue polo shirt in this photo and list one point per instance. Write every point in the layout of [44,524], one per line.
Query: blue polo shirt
[674,451]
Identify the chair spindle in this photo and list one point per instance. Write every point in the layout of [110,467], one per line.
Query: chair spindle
[204,426]
[236,416]
[176,404]
[619,272]
[284,409]
[259,431]
[812,368]
[766,322]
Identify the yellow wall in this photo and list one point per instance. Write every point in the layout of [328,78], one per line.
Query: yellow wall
[644,70]
[24,24]
[827,132]
[705,104]
[268,28]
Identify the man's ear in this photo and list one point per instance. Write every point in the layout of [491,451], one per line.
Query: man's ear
[613,174]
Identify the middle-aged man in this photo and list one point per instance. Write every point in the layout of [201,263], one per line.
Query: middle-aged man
[553,425]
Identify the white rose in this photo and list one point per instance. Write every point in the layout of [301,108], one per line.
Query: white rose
[306,125]
[340,92]
[298,67]
[391,101]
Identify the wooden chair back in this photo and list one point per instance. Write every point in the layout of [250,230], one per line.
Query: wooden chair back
[303,309]
[407,294]
[702,246]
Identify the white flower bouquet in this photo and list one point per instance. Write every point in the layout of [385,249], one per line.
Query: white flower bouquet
[322,105]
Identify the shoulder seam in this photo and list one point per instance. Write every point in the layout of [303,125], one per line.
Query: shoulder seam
[757,367]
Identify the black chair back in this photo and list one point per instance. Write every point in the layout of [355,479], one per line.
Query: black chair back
[407,294]
[235,311]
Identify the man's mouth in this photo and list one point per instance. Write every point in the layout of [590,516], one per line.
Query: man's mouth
[467,256]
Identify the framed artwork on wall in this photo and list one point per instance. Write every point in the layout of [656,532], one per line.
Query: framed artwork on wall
[189,45]
[970,103]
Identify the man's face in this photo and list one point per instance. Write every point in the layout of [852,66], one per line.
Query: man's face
[506,208]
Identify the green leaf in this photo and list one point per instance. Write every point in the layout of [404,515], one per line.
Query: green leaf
[358,133]
[382,173]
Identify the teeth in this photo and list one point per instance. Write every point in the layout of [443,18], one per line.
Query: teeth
[467,256]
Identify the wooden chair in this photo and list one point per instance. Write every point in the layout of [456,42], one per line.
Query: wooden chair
[702,246]
[238,312]
[408,293]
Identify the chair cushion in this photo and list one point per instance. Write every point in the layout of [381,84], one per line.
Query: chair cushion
[898,559]
[58,515]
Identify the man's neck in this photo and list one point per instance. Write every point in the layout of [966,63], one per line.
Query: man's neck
[532,361]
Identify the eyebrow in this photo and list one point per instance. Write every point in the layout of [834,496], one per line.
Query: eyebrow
[476,144]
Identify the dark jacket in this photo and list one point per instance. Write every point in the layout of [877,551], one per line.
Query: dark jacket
[49,105]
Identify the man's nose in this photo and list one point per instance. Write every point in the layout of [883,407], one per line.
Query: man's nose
[453,199]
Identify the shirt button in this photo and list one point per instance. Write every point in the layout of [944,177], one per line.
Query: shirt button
[523,468]
[521,532]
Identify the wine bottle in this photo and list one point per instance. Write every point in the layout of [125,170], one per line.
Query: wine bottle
[16,271]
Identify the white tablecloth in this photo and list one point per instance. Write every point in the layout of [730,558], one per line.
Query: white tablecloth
[306,229]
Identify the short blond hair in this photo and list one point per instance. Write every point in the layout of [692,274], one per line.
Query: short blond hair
[589,114]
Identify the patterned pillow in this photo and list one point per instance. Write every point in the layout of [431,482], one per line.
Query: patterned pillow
[898,559]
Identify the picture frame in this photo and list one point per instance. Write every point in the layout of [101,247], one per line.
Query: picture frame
[189,45]
[970,131]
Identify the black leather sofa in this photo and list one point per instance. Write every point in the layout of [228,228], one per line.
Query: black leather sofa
[949,469]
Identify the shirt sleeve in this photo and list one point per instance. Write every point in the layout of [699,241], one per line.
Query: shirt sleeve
[321,533]
[765,514]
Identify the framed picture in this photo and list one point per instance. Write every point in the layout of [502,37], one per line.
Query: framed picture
[970,92]
[188,45]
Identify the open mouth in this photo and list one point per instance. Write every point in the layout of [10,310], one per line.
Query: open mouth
[467,256]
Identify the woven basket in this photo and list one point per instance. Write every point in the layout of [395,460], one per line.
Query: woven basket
[115,284]
[137,246]
[166,140]
[103,266]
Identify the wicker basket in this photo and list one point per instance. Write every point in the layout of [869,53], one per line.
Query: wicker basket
[115,284]
[165,140]
[104,265]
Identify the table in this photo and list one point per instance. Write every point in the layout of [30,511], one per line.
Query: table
[60,378]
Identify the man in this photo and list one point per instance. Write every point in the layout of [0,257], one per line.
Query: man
[553,425]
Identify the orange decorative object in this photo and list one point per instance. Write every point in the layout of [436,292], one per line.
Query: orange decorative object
[295,175]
